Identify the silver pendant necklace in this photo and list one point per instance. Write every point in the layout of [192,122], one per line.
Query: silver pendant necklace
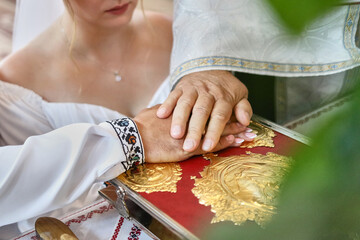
[117,76]
[116,73]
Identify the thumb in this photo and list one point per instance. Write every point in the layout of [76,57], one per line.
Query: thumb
[243,112]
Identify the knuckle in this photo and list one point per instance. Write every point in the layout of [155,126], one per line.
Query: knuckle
[186,103]
[219,116]
[222,116]
[208,98]
[227,106]
[226,101]
[194,131]
[218,92]
[175,93]
[201,110]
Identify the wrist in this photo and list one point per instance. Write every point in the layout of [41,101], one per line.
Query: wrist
[130,141]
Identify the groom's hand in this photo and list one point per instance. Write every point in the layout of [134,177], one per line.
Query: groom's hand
[159,146]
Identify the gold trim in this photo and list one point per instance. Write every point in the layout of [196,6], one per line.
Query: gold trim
[351,22]
[245,65]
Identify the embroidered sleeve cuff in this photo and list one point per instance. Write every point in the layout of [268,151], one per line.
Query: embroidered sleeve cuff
[130,140]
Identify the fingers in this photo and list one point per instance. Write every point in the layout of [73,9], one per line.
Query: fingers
[243,112]
[219,117]
[198,120]
[169,104]
[224,142]
[233,128]
[247,136]
[237,142]
[181,114]
[201,95]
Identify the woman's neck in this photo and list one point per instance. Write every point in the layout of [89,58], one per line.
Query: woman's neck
[94,41]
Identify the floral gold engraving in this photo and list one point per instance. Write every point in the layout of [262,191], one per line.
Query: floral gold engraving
[243,187]
[149,178]
[264,136]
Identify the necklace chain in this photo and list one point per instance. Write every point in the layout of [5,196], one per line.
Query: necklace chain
[116,73]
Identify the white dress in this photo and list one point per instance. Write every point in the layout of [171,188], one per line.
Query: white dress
[71,153]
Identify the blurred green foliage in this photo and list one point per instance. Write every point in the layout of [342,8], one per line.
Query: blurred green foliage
[296,14]
[320,198]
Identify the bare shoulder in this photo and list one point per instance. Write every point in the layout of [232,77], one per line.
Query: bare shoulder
[24,66]
[162,24]
[16,66]
[157,23]
[161,21]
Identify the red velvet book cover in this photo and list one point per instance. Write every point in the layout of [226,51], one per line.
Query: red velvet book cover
[195,213]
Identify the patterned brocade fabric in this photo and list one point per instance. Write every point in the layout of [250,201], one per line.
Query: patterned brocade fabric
[130,140]
[246,36]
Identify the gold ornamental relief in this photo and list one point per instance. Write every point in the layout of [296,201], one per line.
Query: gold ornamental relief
[264,136]
[161,177]
[241,188]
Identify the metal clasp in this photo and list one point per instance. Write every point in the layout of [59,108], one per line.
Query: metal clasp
[120,203]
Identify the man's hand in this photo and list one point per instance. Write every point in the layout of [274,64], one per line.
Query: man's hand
[159,146]
[204,101]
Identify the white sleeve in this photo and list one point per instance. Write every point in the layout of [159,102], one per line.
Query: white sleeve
[247,36]
[52,170]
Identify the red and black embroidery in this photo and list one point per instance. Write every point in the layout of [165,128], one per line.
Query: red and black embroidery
[117,229]
[135,233]
[130,140]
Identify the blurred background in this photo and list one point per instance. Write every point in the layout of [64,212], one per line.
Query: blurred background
[320,197]
[7,12]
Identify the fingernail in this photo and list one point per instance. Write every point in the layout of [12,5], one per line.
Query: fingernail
[250,135]
[207,145]
[176,130]
[239,140]
[239,125]
[248,130]
[161,111]
[188,144]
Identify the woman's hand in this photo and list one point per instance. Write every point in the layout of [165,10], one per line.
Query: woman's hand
[204,101]
[159,146]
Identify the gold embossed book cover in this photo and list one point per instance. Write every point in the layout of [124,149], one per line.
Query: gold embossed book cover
[237,185]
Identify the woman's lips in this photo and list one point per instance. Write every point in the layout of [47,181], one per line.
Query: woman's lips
[118,10]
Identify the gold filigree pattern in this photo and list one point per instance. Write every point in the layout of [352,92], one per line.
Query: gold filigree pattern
[149,178]
[243,187]
[264,136]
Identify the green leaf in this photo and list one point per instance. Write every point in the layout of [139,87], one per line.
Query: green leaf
[320,198]
[296,14]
